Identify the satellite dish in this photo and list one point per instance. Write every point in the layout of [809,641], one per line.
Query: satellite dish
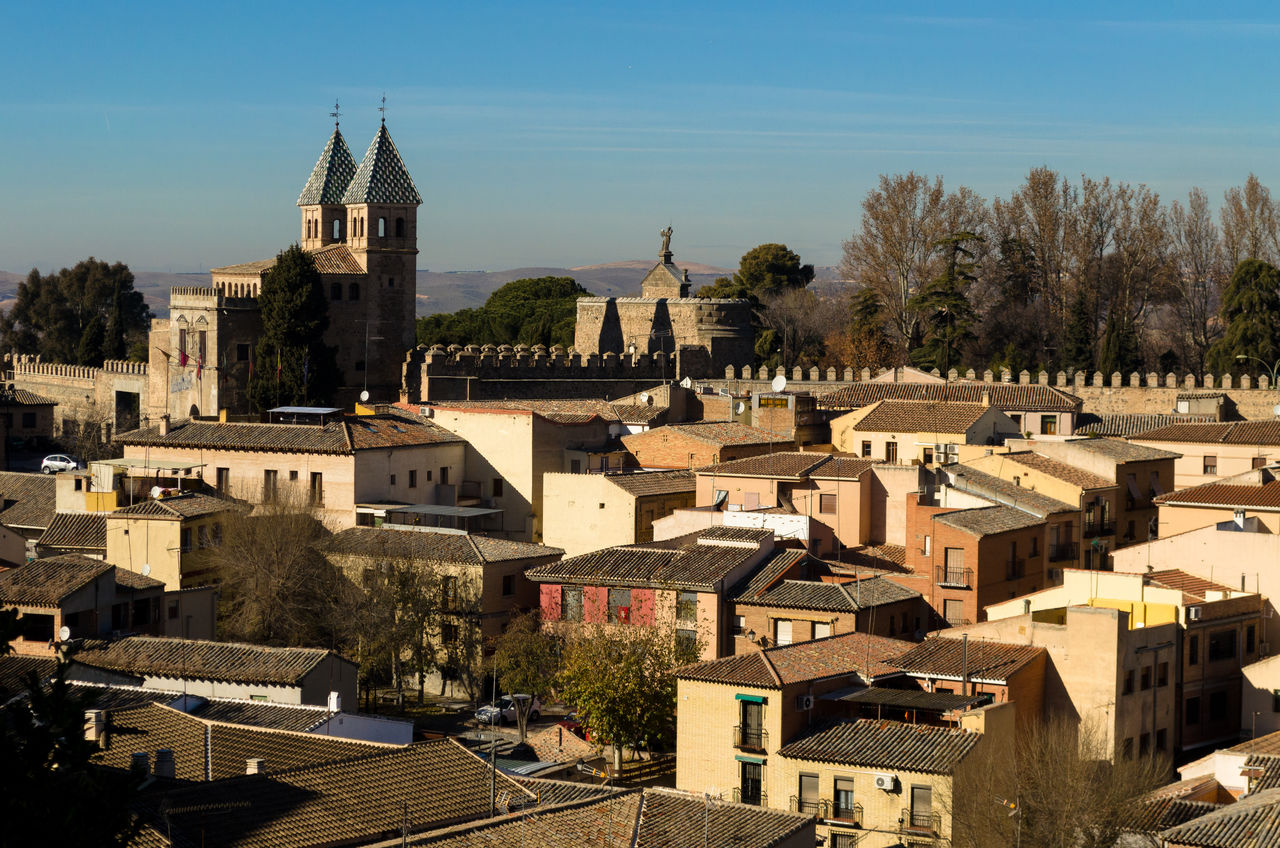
[644,397]
[64,633]
[779,383]
[364,396]
[687,383]
[740,408]
[146,569]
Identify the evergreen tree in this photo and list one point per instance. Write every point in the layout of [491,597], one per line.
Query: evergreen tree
[292,364]
[1120,346]
[1251,313]
[1082,331]
[540,310]
[944,302]
[764,271]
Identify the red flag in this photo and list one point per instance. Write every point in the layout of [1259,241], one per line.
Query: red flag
[182,358]
[199,366]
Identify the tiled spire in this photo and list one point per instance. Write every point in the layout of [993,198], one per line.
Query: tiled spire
[332,174]
[382,176]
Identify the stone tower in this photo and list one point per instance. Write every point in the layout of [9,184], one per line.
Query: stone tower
[324,218]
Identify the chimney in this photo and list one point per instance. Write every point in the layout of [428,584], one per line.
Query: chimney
[164,766]
[255,765]
[95,724]
[164,425]
[140,763]
[335,702]
[986,397]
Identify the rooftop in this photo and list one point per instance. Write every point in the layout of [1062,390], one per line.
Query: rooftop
[917,416]
[1004,396]
[1060,470]
[1258,488]
[989,520]
[718,433]
[772,668]
[47,582]
[565,411]
[1121,451]
[364,432]
[389,540]
[1131,424]
[1253,820]
[85,531]
[202,660]
[28,499]
[873,743]
[941,656]
[11,396]
[1227,433]
[993,488]
[183,505]
[382,176]
[792,465]
[830,597]
[331,175]
[644,483]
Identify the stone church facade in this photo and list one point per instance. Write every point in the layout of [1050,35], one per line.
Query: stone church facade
[360,224]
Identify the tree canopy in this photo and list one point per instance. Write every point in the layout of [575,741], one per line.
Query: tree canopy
[1251,313]
[292,364]
[541,310]
[764,271]
[526,659]
[81,315]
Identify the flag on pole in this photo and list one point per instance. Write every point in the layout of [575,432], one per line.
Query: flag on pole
[182,358]
[199,366]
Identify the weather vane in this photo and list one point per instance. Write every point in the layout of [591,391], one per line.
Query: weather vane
[383,108]
[335,114]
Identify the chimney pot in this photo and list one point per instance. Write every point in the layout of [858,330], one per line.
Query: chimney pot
[140,763]
[164,766]
[255,765]
[95,722]
[164,425]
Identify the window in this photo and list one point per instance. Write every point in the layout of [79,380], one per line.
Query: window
[1259,462]
[1192,711]
[1144,745]
[269,485]
[413,478]
[185,542]
[1222,645]
[1162,674]
[353,291]
[173,614]
[1145,678]
[1210,465]
[827,504]
[1193,650]
[953,611]
[182,340]
[428,475]
[575,466]
[866,450]
[807,796]
[927,545]
[751,732]
[449,591]
[620,606]
[1275,700]
[571,603]
[782,631]
[335,291]
[293,476]
[922,806]
[393,479]
[687,642]
[844,839]
[382,227]
[749,791]
[1162,740]
[242,353]
[822,629]
[222,476]
[444,475]
[399,227]
[740,626]
[508,584]
[337,229]
[202,536]
[316,488]
[497,487]
[217,534]
[686,606]
[1128,682]
[928,456]
[28,420]
[845,807]
[1217,706]
[449,633]
[890,452]
[1049,425]
[1016,418]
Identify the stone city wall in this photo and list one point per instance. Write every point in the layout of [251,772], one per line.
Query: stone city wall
[83,393]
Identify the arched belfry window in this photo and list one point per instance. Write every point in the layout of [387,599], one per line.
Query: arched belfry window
[337,229]
[308,228]
[382,228]
[399,227]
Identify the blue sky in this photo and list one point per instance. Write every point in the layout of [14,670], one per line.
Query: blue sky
[177,137]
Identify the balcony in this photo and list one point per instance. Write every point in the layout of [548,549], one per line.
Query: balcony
[847,815]
[750,738]
[1100,528]
[746,795]
[923,822]
[955,578]
[817,807]
[1063,552]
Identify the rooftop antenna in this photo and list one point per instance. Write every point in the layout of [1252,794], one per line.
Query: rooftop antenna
[383,108]
[335,114]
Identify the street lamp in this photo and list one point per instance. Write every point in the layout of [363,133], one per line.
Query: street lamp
[1272,371]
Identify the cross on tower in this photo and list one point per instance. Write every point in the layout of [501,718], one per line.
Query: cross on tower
[335,114]
[383,108]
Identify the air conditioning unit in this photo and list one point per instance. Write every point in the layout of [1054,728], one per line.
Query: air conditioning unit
[953,449]
[887,782]
[804,702]
[939,448]
[1193,613]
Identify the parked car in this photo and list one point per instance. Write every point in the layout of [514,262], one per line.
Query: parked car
[504,712]
[576,727]
[59,462]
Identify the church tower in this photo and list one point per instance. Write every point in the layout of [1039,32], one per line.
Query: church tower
[324,218]
[381,204]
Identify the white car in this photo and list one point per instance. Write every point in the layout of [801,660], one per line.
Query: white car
[505,710]
[58,462]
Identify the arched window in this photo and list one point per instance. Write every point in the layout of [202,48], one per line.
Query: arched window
[353,291]
[382,228]
[335,291]
[337,230]
[399,227]
[308,228]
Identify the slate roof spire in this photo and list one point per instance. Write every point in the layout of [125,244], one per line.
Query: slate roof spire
[331,175]
[382,176]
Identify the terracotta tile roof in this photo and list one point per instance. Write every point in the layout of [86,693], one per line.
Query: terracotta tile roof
[14,670]
[670,816]
[1200,395]
[940,656]
[1265,771]
[353,801]
[789,464]
[692,565]
[1268,745]
[879,557]
[556,744]
[993,488]
[126,579]
[906,416]
[46,582]
[337,259]
[1194,589]
[772,668]
[1253,820]
[10,396]
[565,411]
[989,520]
[831,597]
[1230,433]
[200,659]
[28,499]
[1061,470]
[435,547]
[1258,489]
[210,750]
[300,718]
[759,581]
[608,820]
[185,505]
[257,268]
[382,176]
[1121,451]
[1004,396]
[723,433]
[1156,814]
[725,533]
[337,437]
[86,531]
[1125,425]
[842,468]
[655,482]
[873,743]
[331,175]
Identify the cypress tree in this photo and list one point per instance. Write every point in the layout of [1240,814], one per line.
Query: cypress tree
[1078,346]
[1251,313]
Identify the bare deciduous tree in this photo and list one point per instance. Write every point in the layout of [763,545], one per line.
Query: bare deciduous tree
[1250,229]
[1198,274]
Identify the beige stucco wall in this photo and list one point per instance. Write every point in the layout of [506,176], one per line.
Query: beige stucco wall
[587,512]
[1235,559]
[1258,715]
[1188,469]
[1181,519]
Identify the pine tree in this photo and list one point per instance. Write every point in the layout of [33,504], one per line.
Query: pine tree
[945,305]
[292,364]
[1251,312]
[1120,346]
